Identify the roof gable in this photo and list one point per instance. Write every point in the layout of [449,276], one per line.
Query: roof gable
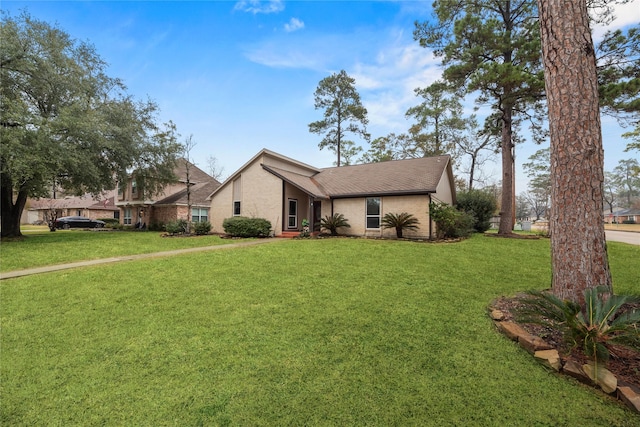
[271,159]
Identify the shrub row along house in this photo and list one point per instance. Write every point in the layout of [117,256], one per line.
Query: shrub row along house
[286,192]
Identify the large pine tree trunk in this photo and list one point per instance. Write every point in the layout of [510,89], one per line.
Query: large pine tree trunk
[506,146]
[578,246]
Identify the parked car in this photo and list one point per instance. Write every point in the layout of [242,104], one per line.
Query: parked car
[67,222]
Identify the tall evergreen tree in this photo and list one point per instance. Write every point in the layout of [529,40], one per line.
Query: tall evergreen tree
[343,112]
[578,247]
[438,120]
[618,62]
[491,47]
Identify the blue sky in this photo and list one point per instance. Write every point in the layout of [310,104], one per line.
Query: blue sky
[240,75]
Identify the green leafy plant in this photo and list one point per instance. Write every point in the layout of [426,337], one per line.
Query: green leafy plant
[306,231]
[481,204]
[450,222]
[110,222]
[401,221]
[240,226]
[201,228]
[333,222]
[176,227]
[594,327]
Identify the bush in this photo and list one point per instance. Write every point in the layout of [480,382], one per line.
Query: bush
[240,226]
[332,223]
[110,222]
[201,228]
[176,227]
[450,222]
[157,226]
[481,205]
[400,222]
[594,327]
[628,221]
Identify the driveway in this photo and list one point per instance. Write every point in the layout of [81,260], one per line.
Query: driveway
[623,236]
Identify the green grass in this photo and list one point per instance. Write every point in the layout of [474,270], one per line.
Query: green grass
[36,249]
[305,332]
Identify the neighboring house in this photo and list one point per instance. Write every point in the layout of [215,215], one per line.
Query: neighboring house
[285,191]
[38,211]
[171,204]
[622,215]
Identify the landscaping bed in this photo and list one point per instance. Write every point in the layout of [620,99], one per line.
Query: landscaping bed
[624,363]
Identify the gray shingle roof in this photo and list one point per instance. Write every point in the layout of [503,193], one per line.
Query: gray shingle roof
[409,176]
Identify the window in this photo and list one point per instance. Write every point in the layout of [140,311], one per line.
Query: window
[373,212]
[199,215]
[127,216]
[134,188]
[120,190]
[78,212]
[237,195]
[292,221]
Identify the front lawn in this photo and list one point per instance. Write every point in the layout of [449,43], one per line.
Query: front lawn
[305,332]
[39,248]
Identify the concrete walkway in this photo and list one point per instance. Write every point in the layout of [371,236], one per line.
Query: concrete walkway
[58,267]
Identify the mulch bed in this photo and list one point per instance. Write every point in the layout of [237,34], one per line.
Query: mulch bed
[624,363]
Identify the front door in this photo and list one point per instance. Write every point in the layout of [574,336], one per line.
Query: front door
[317,215]
[292,218]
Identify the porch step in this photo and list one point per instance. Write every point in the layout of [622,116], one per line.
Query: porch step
[293,234]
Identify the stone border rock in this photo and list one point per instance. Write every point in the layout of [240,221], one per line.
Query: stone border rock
[550,357]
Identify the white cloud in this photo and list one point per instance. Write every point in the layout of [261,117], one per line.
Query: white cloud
[258,6]
[626,14]
[293,25]
[386,65]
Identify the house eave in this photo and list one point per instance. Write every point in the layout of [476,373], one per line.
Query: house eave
[382,194]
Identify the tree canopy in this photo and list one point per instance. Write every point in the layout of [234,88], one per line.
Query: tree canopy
[65,123]
[491,48]
[343,112]
[619,79]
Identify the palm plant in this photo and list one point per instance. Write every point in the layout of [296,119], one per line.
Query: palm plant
[595,327]
[400,222]
[333,222]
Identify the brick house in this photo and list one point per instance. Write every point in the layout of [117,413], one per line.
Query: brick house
[172,204]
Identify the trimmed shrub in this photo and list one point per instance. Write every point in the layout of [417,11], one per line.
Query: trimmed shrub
[110,222]
[176,227]
[481,205]
[201,228]
[157,226]
[240,226]
[450,222]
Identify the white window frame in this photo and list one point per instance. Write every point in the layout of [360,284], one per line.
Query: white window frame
[197,215]
[294,216]
[127,216]
[372,216]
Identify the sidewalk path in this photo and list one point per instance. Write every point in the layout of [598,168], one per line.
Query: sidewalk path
[57,267]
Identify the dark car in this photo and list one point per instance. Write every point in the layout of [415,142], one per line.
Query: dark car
[67,222]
